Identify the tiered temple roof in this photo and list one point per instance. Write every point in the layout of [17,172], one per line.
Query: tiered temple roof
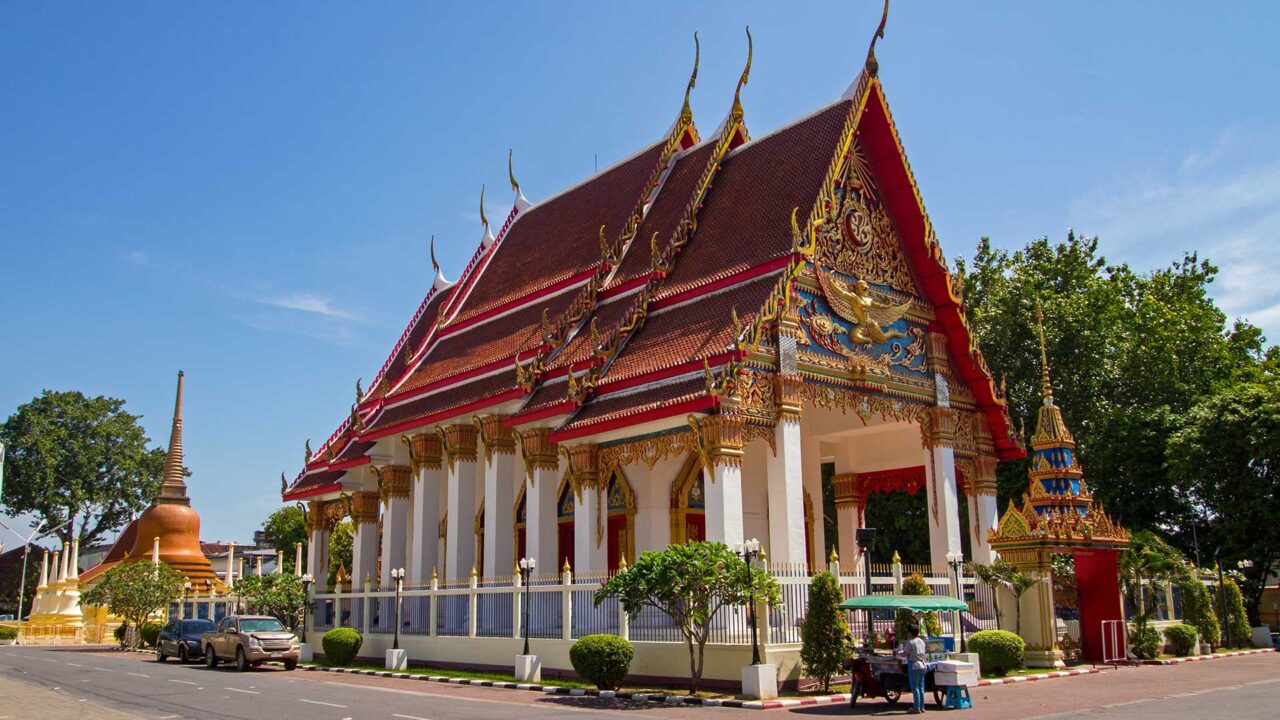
[634,296]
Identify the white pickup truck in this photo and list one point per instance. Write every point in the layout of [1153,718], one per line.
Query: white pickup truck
[249,641]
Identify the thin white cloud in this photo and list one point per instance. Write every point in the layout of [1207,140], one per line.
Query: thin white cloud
[1222,202]
[309,303]
[137,257]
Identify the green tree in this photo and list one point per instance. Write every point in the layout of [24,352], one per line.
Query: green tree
[1235,620]
[341,543]
[284,529]
[690,583]
[279,595]
[1147,566]
[915,584]
[824,635]
[71,457]
[11,579]
[1197,608]
[1129,353]
[135,591]
[1226,459]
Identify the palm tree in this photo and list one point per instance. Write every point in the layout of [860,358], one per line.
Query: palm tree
[1018,583]
[1146,566]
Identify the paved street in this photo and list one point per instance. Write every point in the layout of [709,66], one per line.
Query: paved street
[47,684]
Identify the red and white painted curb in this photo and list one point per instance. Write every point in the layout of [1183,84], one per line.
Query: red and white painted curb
[1198,658]
[1038,676]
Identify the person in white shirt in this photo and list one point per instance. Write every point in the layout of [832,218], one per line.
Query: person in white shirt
[913,652]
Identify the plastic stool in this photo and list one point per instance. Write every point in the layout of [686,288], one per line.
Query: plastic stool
[958,697]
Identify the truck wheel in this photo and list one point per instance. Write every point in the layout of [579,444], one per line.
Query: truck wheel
[210,657]
[182,655]
[290,664]
[242,662]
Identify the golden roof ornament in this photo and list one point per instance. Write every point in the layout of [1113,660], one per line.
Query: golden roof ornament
[359,390]
[515,186]
[483,220]
[435,264]
[307,458]
[284,484]
[686,112]
[606,252]
[873,67]
[736,111]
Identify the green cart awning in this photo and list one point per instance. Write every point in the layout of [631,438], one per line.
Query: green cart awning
[919,603]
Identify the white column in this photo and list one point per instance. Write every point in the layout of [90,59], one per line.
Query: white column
[460,541]
[318,551]
[425,502]
[983,511]
[944,508]
[786,494]
[542,479]
[722,488]
[364,554]
[393,486]
[500,478]
[811,461]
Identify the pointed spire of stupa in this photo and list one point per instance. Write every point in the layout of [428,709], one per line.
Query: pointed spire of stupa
[173,490]
[1046,388]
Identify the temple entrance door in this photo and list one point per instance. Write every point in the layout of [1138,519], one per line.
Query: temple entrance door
[1098,587]
[688,504]
[564,526]
[620,504]
[617,532]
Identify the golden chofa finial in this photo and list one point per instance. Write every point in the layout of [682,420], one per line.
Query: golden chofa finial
[873,67]
[308,452]
[483,220]
[687,112]
[359,390]
[515,186]
[1046,389]
[606,252]
[435,264]
[742,80]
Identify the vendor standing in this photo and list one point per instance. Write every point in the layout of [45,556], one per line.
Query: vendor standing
[913,652]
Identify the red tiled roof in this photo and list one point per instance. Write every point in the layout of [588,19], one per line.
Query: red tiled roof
[692,331]
[559,238]
[444,400]
[745,220]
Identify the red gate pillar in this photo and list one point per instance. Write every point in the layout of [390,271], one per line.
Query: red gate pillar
[1098,586]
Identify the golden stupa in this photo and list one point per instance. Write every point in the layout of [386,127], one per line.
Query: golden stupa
[171,523]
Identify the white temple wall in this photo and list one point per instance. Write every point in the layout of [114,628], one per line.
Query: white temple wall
[755,492]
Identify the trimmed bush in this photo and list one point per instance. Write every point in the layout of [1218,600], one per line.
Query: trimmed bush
[341,645]
[151,634]
[1182,639]
[602,659]
[1198,610]
[1144,642]
[824,632]
[8,633]
[999,651]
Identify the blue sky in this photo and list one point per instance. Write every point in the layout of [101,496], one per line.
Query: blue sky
[246,190]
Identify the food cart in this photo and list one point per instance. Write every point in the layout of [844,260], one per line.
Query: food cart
[882,674]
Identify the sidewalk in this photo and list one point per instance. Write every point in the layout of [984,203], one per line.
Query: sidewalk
[29,701]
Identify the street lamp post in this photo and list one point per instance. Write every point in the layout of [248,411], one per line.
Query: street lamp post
[397,575]
[955,560]
[307,579]
[527,565]
[182,609]
[749,551]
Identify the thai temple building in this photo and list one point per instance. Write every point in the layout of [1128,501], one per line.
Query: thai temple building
[168,531]
[1059,517]
[668,351]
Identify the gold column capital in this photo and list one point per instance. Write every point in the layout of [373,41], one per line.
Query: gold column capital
[539,451]
[425,451]
[458,442]
[584,466]
[720,439]
[393,481]
[495,435]
[790,392]
[364,507]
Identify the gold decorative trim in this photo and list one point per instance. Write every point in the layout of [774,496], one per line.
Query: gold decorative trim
[394,481]
[364,507]
[648,450]
[458,443]
[495,436]
[720,439]
[538,450]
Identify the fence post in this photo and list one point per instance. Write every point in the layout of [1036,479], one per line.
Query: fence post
[517,600]
[897,573]
[337,606]
[366,606]
[435,603]
[471,603]
[566,602]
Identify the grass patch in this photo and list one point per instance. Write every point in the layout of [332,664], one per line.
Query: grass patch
[460,674]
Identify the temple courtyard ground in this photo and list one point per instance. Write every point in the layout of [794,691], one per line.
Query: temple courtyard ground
[40,684]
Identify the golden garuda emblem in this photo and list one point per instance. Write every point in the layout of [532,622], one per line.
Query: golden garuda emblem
[853,302]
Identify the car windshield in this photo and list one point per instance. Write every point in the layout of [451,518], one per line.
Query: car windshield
[196,626]
[252,625]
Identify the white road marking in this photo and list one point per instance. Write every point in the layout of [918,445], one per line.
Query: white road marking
[139,675]
[247,692]
[184,682]
[408,717]
[317,702]
[75,664]
[103,669]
